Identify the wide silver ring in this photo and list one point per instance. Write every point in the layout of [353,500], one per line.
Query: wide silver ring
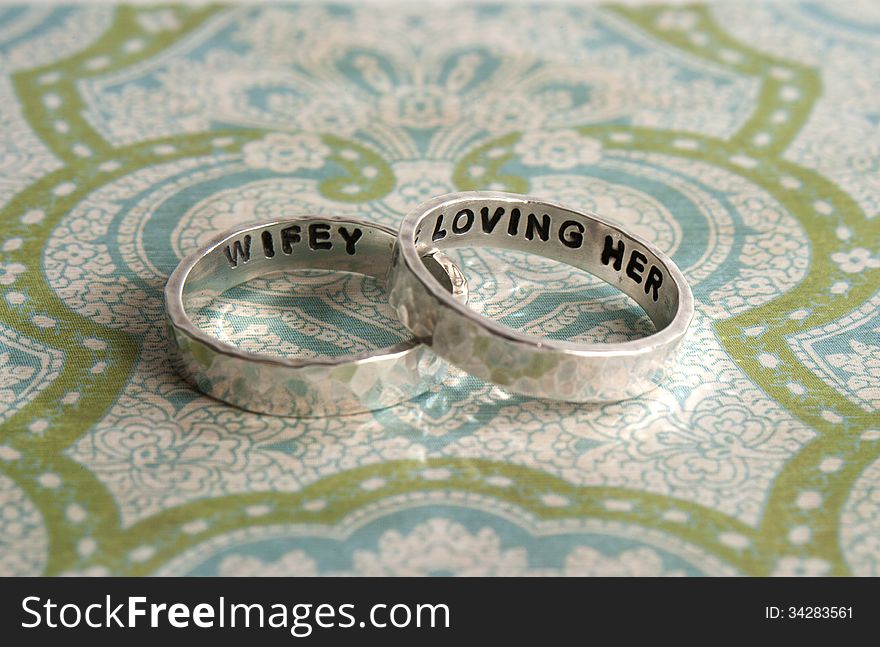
[528,364]
[291,386]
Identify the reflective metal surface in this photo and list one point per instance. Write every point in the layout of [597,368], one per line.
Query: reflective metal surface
[298,387]
[523,363]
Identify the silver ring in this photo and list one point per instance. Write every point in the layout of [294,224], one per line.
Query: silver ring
[286,386]
[528,364]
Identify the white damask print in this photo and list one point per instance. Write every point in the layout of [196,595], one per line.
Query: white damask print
[559,150]
[283,153]
[855,260]
[863,367]
[441,546]
[27,367]
[365,72]
[24,543]
[347,110]
[836,353]
[12,374]
[438,546]
[841,144]
[295,563]
[860,523]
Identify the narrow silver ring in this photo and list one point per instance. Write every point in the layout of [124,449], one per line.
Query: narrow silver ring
[286,386]
[528,364]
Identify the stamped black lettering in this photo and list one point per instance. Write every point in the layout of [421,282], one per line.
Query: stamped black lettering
[611,251]
[319,236]
[268,244]
[513,224]
[653,282]
[542,228]
[289,237]
[351,238]
[462,228]
[574,239]
[636,266]
[238,250]
[439,232]
[490,223]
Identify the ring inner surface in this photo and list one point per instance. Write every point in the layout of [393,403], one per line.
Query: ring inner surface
[285,246]
[303,289]
[560,234]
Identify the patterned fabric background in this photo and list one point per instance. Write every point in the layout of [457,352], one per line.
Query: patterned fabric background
[743,138]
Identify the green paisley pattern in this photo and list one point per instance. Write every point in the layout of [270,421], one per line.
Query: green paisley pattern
[743,139]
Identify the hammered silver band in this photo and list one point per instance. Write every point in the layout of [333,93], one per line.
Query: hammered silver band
[286,386]
[523,363]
